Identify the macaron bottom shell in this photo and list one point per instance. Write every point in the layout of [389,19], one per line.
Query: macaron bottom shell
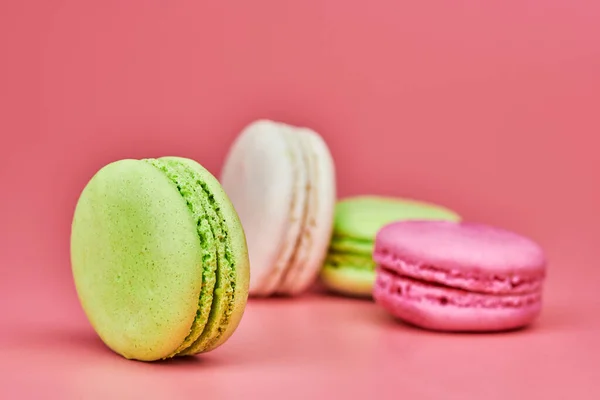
[348,281]
[435,307]
[348,274]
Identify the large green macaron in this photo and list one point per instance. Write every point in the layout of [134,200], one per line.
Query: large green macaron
[349,268]
[159,258]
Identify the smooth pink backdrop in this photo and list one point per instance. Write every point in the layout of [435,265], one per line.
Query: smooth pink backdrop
[491,108]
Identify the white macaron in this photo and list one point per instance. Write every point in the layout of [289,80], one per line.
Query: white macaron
[281,181]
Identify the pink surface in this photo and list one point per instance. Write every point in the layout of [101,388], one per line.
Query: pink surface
[466,255]
[490,108]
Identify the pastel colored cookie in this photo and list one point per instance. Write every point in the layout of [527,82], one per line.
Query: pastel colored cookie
[349,268]
[281,179]
[458,276]
[159,258]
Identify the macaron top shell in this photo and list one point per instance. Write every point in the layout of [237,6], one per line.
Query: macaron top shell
[461,250]
[361,217]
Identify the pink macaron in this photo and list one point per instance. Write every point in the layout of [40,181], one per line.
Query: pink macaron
[450,276]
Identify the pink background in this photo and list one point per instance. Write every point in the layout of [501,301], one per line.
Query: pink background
[491,108]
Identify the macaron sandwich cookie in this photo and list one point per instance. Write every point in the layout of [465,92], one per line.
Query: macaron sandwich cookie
[281,180]
[159,258]
[349,268]
[458,276]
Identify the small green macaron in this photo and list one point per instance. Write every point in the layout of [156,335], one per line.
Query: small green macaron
[349,268]
[159,258]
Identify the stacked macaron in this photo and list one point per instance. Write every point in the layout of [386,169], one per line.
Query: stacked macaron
[349,267]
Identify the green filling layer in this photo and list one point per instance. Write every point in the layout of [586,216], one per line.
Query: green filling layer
[350,252]
[351,261]
[347,244]
[223,300]
[194,200]
[218,275]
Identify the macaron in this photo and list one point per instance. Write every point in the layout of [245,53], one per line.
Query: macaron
[349,268]
[159,258]
[458,276]
[281,180]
